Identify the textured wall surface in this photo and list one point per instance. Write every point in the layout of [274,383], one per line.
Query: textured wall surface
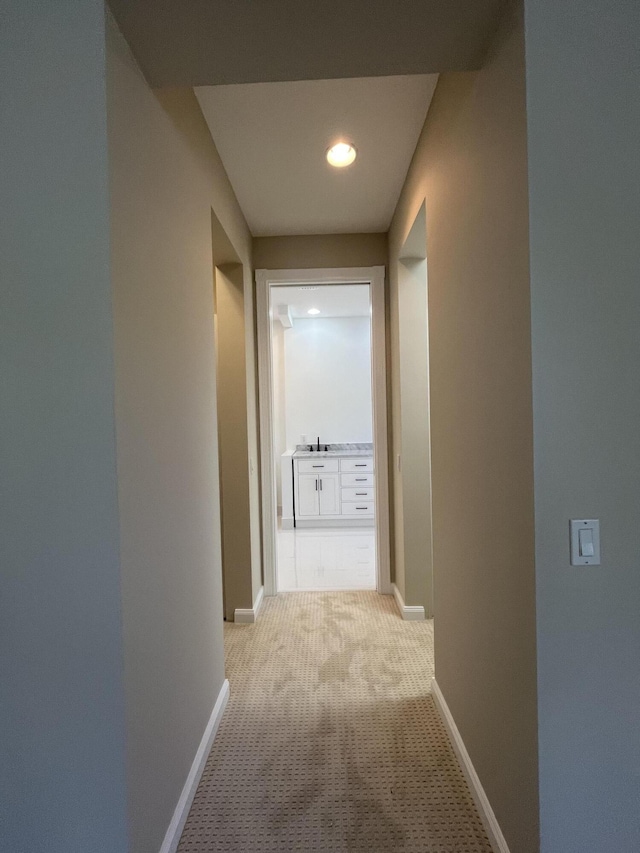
[323,250]
[583,84]
[471,166]
[327,364]
[62,774]
[165,179]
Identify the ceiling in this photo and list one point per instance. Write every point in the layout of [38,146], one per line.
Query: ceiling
[272,138]
[279,80]
[334,300]
[210,42]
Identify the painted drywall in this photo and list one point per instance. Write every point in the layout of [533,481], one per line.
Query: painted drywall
[232,436]
[412,506]
[62,774]
[165,179]
[583,82]
[327,372]
[471,167]
[198,44]
[318,251]
[252,417]
[279,411]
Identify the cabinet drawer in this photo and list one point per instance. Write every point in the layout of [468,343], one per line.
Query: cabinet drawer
[317,466]
[363,494]
[364,478]
[358,508]
[365,464]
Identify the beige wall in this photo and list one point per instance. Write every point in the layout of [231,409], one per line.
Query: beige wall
[317,251]
[583,80]
[243,516]
[232,436]
[165,179]
[471,167]
[251,390]
[62,742]
[411,442]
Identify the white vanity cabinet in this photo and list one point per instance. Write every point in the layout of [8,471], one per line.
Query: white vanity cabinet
[329,491]
[318,494]
[317,487]
[334,491]
[307,497]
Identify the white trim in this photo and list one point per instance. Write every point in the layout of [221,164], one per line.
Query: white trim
[335,521]
[269,498]
[491,825]
[373,276]
[174,831]
[248,615]
[409,612]
[380,445]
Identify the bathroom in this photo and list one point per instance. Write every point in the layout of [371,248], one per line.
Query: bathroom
[323,436]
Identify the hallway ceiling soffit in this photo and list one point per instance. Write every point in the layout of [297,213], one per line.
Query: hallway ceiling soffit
[212,42]
[272,139]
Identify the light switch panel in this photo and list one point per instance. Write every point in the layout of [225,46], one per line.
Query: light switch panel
[585,542]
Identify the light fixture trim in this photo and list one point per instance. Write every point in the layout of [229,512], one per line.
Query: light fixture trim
[313,311]
[341,154]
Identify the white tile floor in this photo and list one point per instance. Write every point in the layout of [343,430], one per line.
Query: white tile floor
[326,558]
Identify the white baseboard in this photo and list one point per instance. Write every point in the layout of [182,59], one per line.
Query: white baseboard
[491,825]
[308,524]
[248,615]
[410,612]
[172,837]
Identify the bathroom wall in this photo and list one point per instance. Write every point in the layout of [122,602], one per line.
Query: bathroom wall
[328,380]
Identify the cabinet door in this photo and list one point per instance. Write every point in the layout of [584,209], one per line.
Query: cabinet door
[308,492]
[329,494]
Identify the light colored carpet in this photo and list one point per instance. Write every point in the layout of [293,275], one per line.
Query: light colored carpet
[331,741]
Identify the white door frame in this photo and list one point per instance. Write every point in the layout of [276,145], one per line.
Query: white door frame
[373,276]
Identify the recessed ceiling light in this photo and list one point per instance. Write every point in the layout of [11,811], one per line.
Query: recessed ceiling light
[313,311]
[342,154]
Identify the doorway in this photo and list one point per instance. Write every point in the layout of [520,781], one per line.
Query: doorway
[413,561]
[322,378]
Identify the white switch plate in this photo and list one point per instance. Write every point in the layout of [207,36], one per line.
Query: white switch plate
[585,541]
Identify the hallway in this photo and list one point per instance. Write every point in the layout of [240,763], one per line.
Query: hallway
[331,741]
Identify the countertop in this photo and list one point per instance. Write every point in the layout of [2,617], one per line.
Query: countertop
[302,451]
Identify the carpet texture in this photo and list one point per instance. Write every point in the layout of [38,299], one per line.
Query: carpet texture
[331,741]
